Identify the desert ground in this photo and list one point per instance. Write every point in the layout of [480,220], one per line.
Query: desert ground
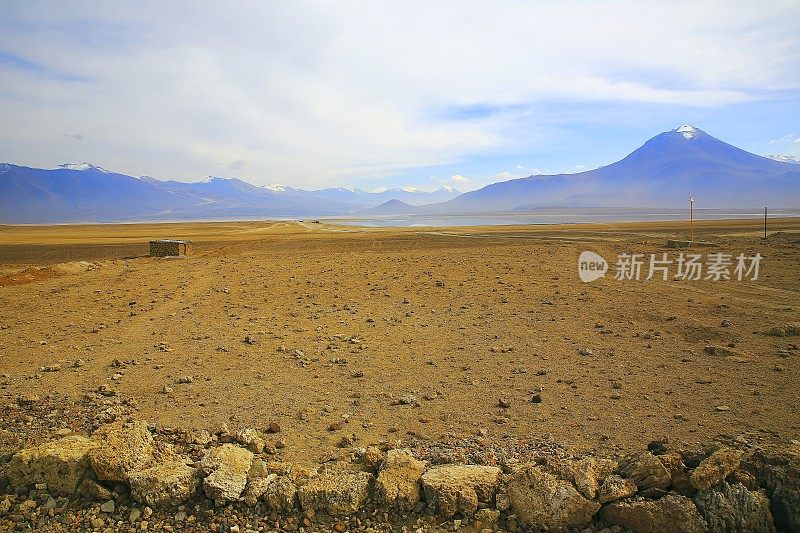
[349,336]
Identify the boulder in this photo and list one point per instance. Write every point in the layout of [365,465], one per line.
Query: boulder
[123,449]
[281,495]
[399,480]
[165,484]
[589,473]
[452,489]
[734,508]
[777,469]
[61,464]
[339,493]
[671,514]
[226,469]
[646,470]
[616,488]
[256,487]
[540,500]
[715,468]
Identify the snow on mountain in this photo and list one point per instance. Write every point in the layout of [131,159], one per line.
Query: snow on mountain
[4,167]
[82,166]
[688,131]
[275,187]
[785,158]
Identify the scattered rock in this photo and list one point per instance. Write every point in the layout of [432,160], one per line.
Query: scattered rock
[226,470]
[541,500]
[108,507]
[337,493]
[61,464]
[460,488]
[715,468]
[170,482]
[399,481]
[671,514]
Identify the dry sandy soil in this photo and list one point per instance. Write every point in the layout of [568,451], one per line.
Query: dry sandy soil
[404,334]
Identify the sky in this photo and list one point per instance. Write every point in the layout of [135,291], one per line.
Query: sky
[377,94]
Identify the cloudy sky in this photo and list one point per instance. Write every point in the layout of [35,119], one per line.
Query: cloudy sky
[380,94]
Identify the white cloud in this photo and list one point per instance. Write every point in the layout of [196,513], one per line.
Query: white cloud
[317,94]
[789,144]
[458,178]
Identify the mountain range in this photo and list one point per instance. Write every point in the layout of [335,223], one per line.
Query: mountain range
[88,193]
[663,173]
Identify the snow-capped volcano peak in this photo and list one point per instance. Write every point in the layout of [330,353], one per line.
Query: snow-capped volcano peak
[82,166]
[688,131]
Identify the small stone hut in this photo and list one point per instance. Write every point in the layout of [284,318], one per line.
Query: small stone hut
[169,247]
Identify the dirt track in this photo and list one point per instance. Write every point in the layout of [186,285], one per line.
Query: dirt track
[348,331]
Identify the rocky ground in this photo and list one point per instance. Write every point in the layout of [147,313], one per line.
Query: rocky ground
[466,346]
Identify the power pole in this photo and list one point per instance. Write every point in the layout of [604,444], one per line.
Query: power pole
[765,222]
[691,218]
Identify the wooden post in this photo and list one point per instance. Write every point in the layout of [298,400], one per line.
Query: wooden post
[691,219]
[765,222]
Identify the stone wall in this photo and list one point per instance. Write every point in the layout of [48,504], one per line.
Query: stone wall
[121,469]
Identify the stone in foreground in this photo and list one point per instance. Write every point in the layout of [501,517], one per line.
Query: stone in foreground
[590,472]
[165,484]
[715,468]
[226,467]
[337,493]
[671,514]
[616,488]
[541,500]
[734,508]
[61,464]
[452,489]
[647,471]
[398,484]
[123,449]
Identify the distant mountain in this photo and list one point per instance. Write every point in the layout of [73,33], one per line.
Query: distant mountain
[661,173]
[785,158]
[82,192]
[391,207]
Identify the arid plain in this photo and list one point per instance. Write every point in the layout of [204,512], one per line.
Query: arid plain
[351,336]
